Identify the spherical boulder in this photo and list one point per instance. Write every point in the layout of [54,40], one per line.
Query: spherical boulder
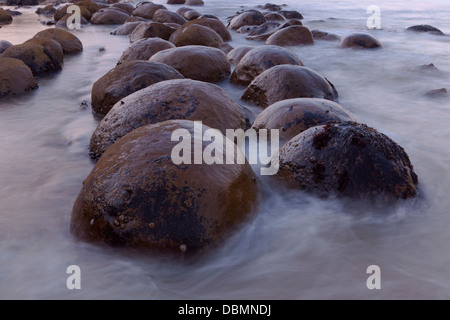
[194,2]
[48,10]
[126,29]
[196,62]
[322,35]
[147,10]
[236,55]
[213,24]
[291,14]
[15,77]
[176,1]
[360,40]
[144,49]
[51,48]
[181,11]
[287,82]
[69,43]
[4,45]
[259,59]
[163,15]
[125,79]
[263,31]
[347,159]
[195,34]
[290,23]
[191,14]
[247,18]
[425,28]
[151,30]
[291,36]
[136,195]
[293,116]
[167,100]
[127,7]
[5,17]
[273,16]
[109,16]
[34,56]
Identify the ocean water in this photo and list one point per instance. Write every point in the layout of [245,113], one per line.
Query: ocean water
[296,246]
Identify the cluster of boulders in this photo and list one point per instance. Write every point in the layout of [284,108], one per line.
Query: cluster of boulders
[41,55]
[165,81]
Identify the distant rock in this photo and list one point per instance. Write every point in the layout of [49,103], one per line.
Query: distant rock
[425,28]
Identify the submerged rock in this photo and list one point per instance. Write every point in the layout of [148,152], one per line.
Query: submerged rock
[213,24]
[153,203]
[147,10]
[196,62]
[127,7]
[5,17]
[322,35]
[348,159]
[69,43]
[259,59]
[51,48]
[195,2]
[126,29]
[151,30]
[109,16]
[360,40]
[291,14]
[48,10]
[4,45]
[272,16]
[62,11]
[167,100]
[291,36]
[144,49]
[293,116]
[263,31]
[437,93]
[62,23]
[125,79]
[287,82]
[166,16]
[195,34]
[247,18]
[15,77]
[425,28]
[236,55]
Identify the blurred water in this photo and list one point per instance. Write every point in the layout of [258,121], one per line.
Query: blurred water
[295,246]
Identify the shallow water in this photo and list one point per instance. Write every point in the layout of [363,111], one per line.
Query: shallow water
[295,246]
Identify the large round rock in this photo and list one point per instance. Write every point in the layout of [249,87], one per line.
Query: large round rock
[213,24]
[166,16]
[137,197]
[52,48]
[291,36]
[34,56]
[235,56]
[195,34]
[360,40]
[125,79]
[69,43]
[348,159]
[151,30]
[424,28]
[5,17]
[147,10]
[15,77]
[288,82]
[258,60]
[109,16]
[248,18]
[196,62]
[293,116]
[126,29]
[144,49]
[167,100]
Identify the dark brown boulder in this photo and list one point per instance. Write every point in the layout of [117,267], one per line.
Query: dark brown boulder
[291,36]
[127,7]
[194,2]
[293,116]
[248,18]
[4,45]
[144,49]
[213,24]
[109,16]
[167,100]
[125,79]
[360,40]
[48,10]
[5,17]
[290,23]
[125,29]
[147,10]
[288,82]
[181,11]
[62,11]
[437,93]
[322,35]
[15,77]
[292,14]
[34,56]
[151,30]
[69,43]
[137,197]
[166,16]
[176,1]
[136,19]
[195,34]
[424,28]
[263,31]
[259,59]
[90,5]
[348,159]
[51,48]
[191,14]
[196,62]
[270,7]
[272,16]
[236,55]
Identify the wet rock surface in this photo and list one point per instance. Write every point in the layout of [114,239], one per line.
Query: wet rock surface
[291,36]
[424,28]
[15,77]
[69,43]
[144,49]
[151,30]
[360,40]
[248,18]
[236,55]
